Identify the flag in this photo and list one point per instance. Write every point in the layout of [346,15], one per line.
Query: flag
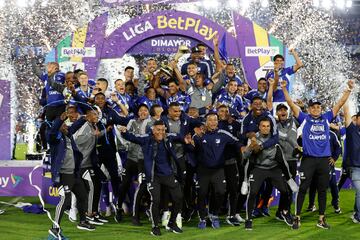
[222,49]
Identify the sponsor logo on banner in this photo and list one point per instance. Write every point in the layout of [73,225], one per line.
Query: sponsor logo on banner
[71,66]
[13,181]
[78,52]
[264,69]
[261,51]
[170,43]
[176,23]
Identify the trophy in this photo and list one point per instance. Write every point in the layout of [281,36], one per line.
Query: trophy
[181,51]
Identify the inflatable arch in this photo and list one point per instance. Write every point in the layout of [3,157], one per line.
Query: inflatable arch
[88,45]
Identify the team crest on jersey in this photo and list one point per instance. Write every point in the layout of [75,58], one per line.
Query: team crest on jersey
[317,128]
[217,141]
[204,141]
[230,127]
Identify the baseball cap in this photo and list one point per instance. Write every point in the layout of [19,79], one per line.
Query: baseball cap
[195,49]
[256,97]
[314,101]
[280,106]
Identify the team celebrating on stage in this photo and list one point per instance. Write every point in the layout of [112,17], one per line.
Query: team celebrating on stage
[196,143]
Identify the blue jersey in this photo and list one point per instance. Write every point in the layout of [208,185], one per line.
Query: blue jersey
[125,99]
[252,93]
[54,98]
[234,102]
[353,145]
[83,96]
[183,99]
[316,134]
[284,74]
[203,67]
[145,100]
[211,147]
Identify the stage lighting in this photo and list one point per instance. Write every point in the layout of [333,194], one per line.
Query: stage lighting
[348,3]
[327,4]
[316,3]
[264,3]
[340,4]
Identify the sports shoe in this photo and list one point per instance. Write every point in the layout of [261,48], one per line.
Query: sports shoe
[57,234]
[296,223]
[355,218]
[337,210]
[311,208]
[136,221]
[288,218]
[172,227]
[72,213]
[322,224]
[85,225]
[93,220]
[179,220]
[256,213]
[202,224]
[165,218]
[215,222]
[101,218]
[232,221]
[155,231]
[108,211]
[279,216]
[118,215]
[265,211]
[248,225]
[239,218]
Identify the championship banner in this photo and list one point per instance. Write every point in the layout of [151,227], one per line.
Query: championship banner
[5,126]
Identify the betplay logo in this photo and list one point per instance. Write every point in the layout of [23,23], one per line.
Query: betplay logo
[15,180]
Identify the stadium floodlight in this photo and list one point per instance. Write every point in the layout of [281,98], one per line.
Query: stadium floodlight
[21,3]
[44,3]
[264,3]
[340,4]
[245,4]
[24,3]
[316,3]
[348,3]
[327,4]
[210,4]
[232,3]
